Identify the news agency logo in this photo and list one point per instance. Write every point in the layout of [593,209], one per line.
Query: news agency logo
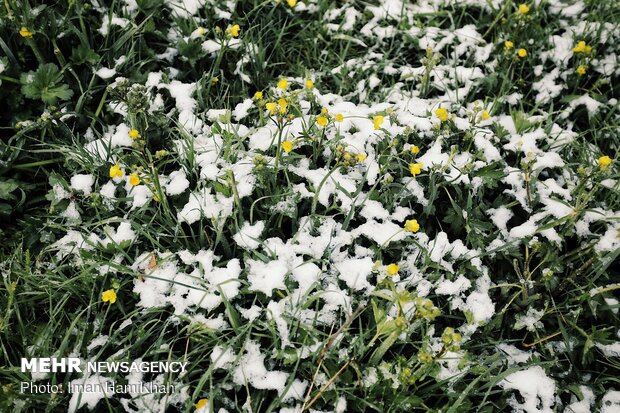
[74,364]
[107,386]
[51,365]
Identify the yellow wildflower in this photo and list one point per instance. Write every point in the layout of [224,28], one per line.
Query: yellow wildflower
[287,146]
[508,45]
[282,84]
[201,403]
[272,107]
[392,269]
[415,168]
[309,83]
[109,296]
[233,31]
[522,53]
[377,121]
[361,157]
[604,161]
[442,114]
[581,70]
[582,47]
[134,134]
[258,95]
[291,3]
[524,8]
[412,225]
[116,171]
[283,105]
[323,111]
[415,149]
[134,179]
[338,117]
[24,32]
[321,121]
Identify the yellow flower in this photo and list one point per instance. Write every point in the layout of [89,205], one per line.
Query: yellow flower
[338,117]
[485,115]
[272,107]
[116,171]
[523,8]
[287,146]
[392,269]
[412,225]
[522,53]
[24,32]
[415,168]
[377,121]
[508,45]
[361,157]
[321,121]
[581,70]
[291,3]
[233,31]
[415,149]
[108,296]
[201,403]
[309,84]
[604,161]
[283,105]
[258,95]
[582,47]
[442,114]
[323,111]
[282,84]
[134,179]
[134,134]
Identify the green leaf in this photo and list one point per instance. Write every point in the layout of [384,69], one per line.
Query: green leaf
[45,84]
[6,187]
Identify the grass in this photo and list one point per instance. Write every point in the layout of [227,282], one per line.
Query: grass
[51,305]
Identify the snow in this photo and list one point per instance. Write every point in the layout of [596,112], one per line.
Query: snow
[265,277]
[537,390]
[178,183]
[123,233]
[242,109]
[514,354]
[382,233]
[222,358]
[248,236]
[610,402]
[204,204]
[354,272]
[609,350]
[530,320]
[105,73]
[251,370]
[479,304]
[116,136]
[251,313]
[182,93]
[583,406]
[456,287]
